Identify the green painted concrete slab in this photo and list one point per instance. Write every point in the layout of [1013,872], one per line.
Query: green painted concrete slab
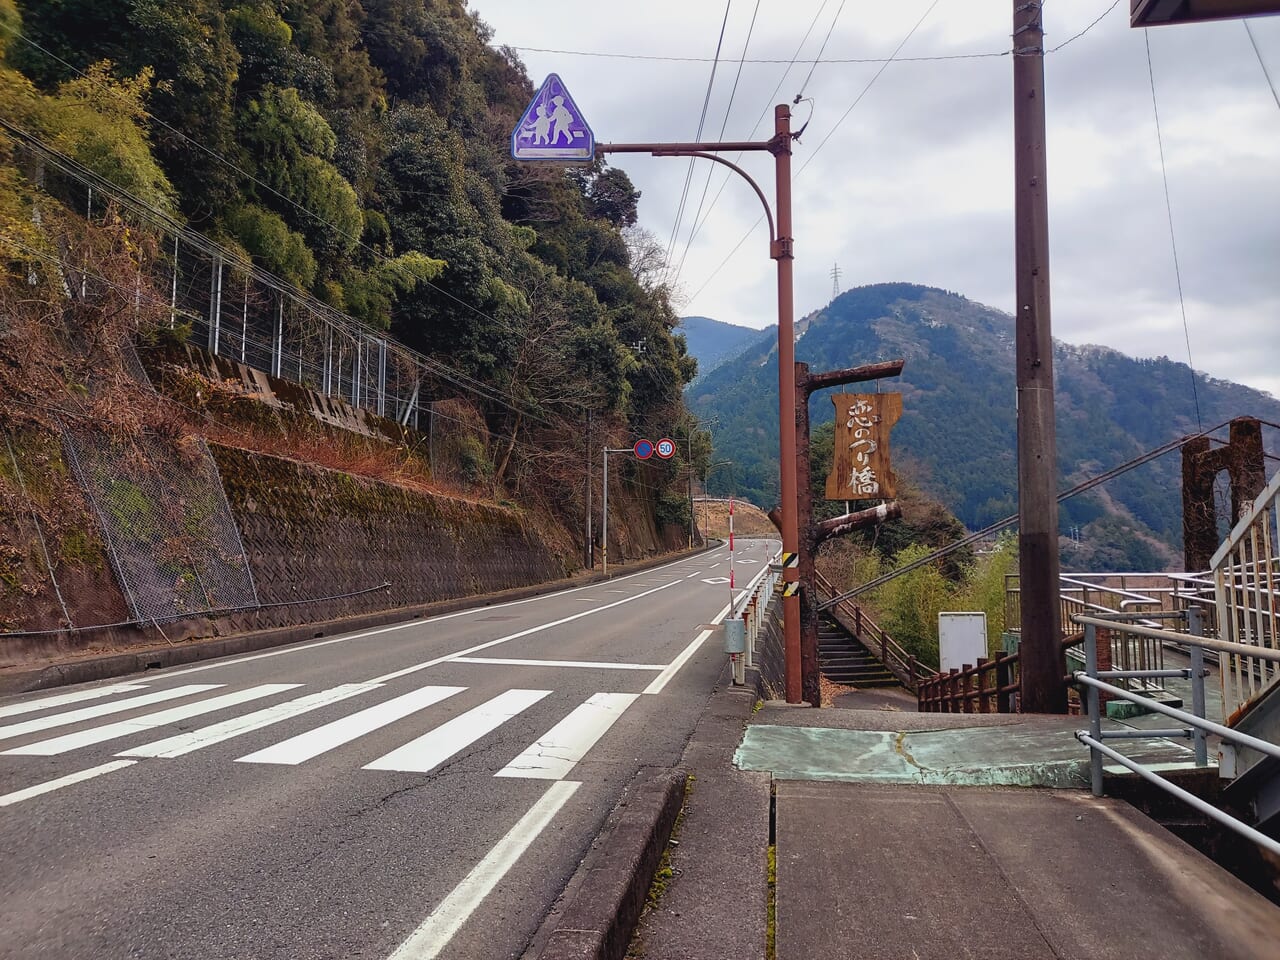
[1014,755]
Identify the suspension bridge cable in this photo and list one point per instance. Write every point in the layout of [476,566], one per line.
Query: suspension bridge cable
[1262,63]
[1010,521]
[1173,240]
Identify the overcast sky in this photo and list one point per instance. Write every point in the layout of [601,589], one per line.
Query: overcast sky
[915,182]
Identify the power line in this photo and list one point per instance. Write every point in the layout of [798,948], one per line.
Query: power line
[663,58]
[870,83]
[821,51]
[697,228]
[706,101]
[1173,240]
[723,126]
[1262,63]
[1102,17]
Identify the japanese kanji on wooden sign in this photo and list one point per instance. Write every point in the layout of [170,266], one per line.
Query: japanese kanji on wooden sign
[860,467]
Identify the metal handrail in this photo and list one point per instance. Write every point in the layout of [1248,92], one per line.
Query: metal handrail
[1094,682]
[902,664]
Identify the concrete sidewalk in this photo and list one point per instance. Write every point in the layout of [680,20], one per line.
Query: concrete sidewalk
[891,842]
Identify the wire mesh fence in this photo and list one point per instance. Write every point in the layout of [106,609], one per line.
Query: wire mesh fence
[170,535]
[236,310]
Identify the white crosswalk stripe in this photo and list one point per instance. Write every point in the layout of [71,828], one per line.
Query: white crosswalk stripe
[62,699]
[303,747]
[38,724]
[185,743]
[557,751]
[551,757]
[432,749]
[122,728]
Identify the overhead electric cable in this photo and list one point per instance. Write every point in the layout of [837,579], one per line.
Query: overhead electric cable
[663,58]
[728,109]
[1262,63]
[688,177]
[1072,39]
[769,101]
[1173,240]
[870,83]
[821,51]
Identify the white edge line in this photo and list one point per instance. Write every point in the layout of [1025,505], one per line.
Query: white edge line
[298,648]
[577,664]
[662,679]
[440,926]
[49,786]
[395,675]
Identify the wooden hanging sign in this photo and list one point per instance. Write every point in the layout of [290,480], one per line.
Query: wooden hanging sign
[860,468]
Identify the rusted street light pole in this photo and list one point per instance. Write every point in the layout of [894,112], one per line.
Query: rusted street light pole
[780,249]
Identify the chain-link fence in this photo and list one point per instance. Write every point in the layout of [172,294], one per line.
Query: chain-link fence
[170,535]
[234,309]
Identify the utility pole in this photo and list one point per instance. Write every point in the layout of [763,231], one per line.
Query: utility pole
[1043,667]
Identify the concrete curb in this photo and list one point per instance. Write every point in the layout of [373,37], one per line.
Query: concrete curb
[153,657]
[608,891]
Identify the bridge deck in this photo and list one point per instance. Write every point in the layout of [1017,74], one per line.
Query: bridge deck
[903,835]
[933,873]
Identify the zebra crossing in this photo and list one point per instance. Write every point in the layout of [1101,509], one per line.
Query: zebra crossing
[551,756]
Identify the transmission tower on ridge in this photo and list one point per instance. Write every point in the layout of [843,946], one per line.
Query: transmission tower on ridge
[835,281]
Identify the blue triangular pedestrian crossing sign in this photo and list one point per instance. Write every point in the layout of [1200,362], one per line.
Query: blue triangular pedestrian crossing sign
[553,127]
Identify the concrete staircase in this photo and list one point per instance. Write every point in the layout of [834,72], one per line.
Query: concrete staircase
[843,658]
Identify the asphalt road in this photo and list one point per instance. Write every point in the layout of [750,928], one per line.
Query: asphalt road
[411,791]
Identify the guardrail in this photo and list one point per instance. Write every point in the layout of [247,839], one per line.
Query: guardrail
[850,615]
[1094,681]
[752,609]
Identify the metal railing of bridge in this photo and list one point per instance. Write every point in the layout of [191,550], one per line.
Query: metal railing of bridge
[1095,682]
[1246,578]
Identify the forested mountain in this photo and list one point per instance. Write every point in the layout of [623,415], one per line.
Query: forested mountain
[359,150]
[712,342]
[957,436]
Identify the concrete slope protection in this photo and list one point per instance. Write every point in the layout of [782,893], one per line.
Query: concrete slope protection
[423,789]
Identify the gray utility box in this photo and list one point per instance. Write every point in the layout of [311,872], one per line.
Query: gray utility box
[735,636]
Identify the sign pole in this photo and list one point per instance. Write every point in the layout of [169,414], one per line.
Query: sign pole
[781,250]
[604,519]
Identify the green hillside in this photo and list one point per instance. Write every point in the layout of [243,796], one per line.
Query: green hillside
[958,432]
[358,149]
[712,342]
